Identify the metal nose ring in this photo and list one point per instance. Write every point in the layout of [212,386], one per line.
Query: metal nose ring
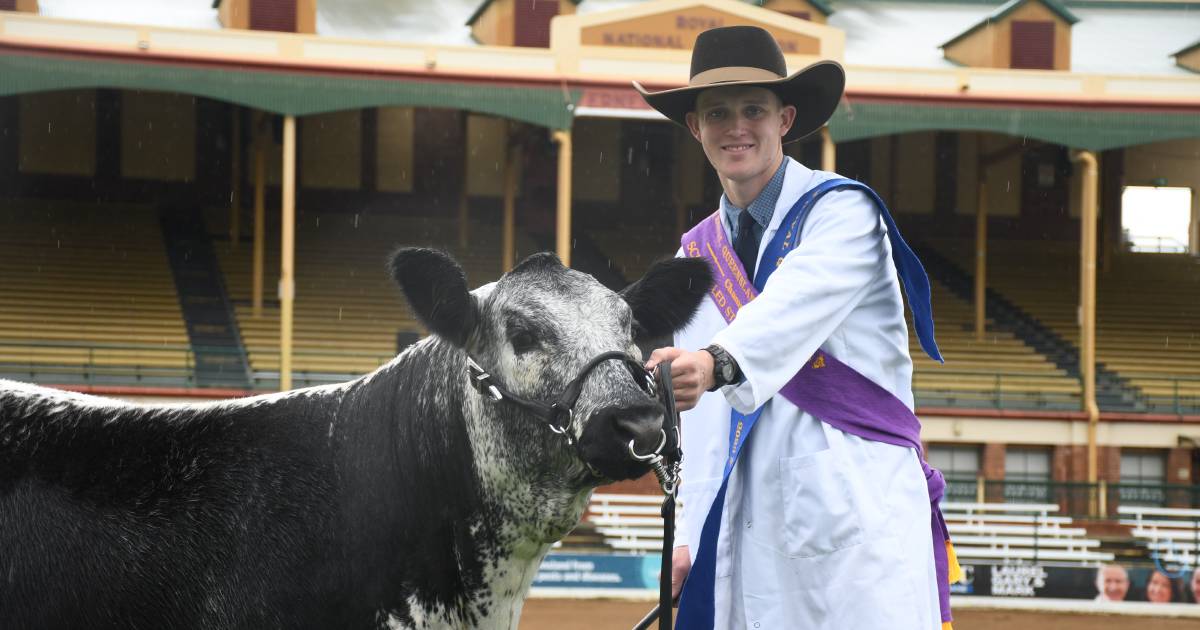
[653,455]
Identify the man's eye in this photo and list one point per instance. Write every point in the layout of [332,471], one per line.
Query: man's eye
[753,112]
[522,341]
[716,114]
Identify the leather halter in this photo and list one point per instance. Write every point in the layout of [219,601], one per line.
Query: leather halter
[560,413]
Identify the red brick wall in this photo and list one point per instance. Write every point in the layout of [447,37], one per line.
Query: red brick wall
[1179,465]
[8,5]
[647,484]
[273,15]
[992,468]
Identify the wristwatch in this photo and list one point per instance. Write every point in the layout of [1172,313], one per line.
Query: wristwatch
[725,369]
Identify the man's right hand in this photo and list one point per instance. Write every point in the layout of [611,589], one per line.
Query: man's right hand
[681,563]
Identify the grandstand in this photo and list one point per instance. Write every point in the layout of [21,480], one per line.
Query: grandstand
[86,296]
[349,314]
[1147,306]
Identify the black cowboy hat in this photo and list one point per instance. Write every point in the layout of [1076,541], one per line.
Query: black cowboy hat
[749,55]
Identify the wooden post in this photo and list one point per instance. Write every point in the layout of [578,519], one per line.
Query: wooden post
[511,157]
[981,221]
[563,223]
[1087,301]
[235,187]
[828,151]
[260,237]
[464,210]
[287,252]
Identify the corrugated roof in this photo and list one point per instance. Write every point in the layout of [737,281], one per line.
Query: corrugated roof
[1111,37]
[172,13]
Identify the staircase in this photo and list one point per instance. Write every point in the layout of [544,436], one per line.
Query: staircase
[220,358]
[1113,393]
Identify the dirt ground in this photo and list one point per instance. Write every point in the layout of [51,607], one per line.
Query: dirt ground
[558,614]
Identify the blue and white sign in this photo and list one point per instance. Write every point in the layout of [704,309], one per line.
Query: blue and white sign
[593,571]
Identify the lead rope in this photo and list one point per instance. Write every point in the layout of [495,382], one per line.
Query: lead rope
[665,464]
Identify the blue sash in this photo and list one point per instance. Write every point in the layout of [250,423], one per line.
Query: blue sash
[697,603]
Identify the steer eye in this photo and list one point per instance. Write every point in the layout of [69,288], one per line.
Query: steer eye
[522,341]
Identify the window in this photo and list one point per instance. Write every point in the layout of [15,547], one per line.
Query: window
[1026,475]
[1156,218]
[273,15]
[1142,477]
[960,467]
[1032,45]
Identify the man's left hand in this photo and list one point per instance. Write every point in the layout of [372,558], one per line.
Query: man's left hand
[691,373]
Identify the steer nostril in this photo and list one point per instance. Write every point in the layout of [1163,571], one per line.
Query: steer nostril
[643,427]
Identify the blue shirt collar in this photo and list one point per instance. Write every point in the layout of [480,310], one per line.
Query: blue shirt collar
[763,206]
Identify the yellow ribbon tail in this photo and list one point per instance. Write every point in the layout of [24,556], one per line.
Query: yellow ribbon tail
[946,625]
[955,573]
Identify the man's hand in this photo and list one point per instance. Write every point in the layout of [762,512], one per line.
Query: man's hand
[691,373]
[681,564]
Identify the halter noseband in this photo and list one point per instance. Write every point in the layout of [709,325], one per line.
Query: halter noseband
[564,405]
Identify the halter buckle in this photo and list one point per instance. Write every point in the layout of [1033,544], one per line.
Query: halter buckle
[483,381]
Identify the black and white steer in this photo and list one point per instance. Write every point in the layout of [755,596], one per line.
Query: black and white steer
[403,499]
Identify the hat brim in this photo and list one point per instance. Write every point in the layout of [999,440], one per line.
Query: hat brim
[814,91]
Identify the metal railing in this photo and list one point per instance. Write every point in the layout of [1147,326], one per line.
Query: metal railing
[994,390]
[1079,500]
[1166,393]
[66,362]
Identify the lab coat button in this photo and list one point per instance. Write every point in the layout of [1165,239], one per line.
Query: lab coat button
[747,524]
[757,625]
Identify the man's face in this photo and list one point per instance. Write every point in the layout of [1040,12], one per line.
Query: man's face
[1116,583]
[741,130]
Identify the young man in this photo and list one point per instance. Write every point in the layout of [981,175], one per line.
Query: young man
[823,519]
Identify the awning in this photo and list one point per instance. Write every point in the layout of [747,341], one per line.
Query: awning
[1075,127]
[283,91]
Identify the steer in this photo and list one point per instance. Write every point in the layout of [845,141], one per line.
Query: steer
[408,498]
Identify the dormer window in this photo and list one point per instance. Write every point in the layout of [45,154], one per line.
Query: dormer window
[1032,45]
[1021,34]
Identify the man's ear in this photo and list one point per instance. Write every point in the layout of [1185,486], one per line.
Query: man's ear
[789,118]
[666,298]
[693,124]
[437,290]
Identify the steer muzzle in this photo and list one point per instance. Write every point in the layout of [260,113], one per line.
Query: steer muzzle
[608,432]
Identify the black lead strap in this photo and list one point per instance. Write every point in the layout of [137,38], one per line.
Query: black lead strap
[672,453]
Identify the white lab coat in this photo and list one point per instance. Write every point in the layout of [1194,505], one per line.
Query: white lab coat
[821,529]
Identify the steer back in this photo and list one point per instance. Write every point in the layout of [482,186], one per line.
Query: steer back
[402,499]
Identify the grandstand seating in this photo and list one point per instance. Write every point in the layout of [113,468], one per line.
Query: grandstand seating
[633,249]
[1146,309]
[1019,531]
[347,309]
[1000,371]
[86,295]
[627,522]
[1170,534]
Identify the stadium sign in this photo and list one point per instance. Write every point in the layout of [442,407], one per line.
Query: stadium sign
[626,572]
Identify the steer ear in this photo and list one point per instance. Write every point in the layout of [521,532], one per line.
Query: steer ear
[436,287]
[666,298]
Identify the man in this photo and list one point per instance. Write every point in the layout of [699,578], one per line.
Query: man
[1195,585]
[1112,582]
[820,528]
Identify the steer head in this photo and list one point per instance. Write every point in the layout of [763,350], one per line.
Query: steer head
[537,328]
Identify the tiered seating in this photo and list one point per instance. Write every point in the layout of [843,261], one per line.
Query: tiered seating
[1172,535]
[1018,531]
[86,294]
[627,522]
[1146,309]
[347,309]
[1000,371]
[633,249]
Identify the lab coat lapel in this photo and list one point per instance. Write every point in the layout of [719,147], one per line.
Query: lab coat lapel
[796,179]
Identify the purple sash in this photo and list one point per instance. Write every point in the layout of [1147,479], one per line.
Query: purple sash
[827,388]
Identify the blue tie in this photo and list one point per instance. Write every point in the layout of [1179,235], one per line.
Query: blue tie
[744,243]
